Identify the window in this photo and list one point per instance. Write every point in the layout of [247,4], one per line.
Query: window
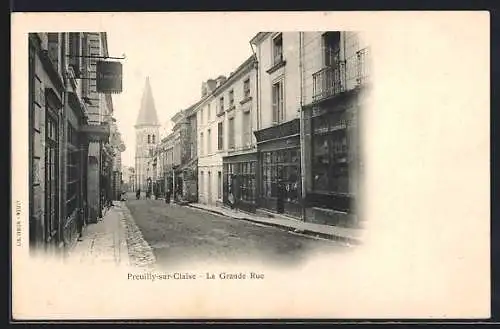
[331,48]
[220,136]
[246,129]
[231,98]
[219,185]
[201,116]
[51,176]
[330,154]
[221,104]
[73,172]
[231,133]
[208,113]
[209,141]
[75,52]
[201,143]
[278,49]
[240,179]
[246,88]
[281,169]
[153,139]
[149,139]
[278,109]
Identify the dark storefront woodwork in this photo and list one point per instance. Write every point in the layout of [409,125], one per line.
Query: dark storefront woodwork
[279,159]
[51,175]
[331,130]
[281,181]
[73,182]
[239,176]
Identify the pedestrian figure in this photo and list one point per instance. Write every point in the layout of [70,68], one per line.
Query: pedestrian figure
[138,194]
[231,198]
[167,196]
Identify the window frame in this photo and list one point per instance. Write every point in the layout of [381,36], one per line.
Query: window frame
[231,133]
[277,56]
[246,88]
[220,136]
[278,105]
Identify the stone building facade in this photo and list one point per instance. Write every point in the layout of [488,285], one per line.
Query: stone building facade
[311,88]
[69,129]
[336,77]
[209,157]
[237,110]
[278,124]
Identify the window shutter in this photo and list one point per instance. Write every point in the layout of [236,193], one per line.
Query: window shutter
[280,105]
[275,103]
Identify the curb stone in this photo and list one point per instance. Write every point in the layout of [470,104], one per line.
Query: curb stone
[124,254]
[140,252]
[333,237]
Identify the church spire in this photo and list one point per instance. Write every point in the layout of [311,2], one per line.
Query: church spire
[147,113]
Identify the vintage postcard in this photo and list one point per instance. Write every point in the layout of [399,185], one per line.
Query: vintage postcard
[236,165]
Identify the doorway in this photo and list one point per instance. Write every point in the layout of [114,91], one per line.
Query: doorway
[209,187]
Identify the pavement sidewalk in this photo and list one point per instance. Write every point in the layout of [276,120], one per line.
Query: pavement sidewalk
[104,242]
[349,235]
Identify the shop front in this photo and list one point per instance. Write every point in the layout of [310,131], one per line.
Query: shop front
[332,135]
[76,171]
[239,177]
[279,168]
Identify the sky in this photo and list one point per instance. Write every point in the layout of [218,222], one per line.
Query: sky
[177,62]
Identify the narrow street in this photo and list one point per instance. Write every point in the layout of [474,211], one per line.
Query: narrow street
[179,234]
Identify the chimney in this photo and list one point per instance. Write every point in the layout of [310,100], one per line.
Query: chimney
[204,89]
[212,84]
[220,80]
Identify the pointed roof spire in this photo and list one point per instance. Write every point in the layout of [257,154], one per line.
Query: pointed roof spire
[147,113]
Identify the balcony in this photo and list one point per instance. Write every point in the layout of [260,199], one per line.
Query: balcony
[329,81]
[362,66]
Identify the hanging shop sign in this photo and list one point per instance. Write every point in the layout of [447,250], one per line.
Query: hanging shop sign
[109,77]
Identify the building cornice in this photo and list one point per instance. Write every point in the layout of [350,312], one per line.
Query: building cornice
[257,39]
[244,68]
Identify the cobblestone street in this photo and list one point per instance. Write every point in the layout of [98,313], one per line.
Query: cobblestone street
[179,234]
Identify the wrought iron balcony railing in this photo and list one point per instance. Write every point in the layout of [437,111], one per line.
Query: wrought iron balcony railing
[363,66]
[329,81]
[340,76]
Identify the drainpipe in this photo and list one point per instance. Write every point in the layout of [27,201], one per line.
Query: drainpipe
[302,133]
[257,77]
[258,107]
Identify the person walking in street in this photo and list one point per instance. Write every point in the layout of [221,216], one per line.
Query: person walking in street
[138,193]
[231,198]
[167,195]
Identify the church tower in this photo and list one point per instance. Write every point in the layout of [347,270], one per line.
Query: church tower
[146,137]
